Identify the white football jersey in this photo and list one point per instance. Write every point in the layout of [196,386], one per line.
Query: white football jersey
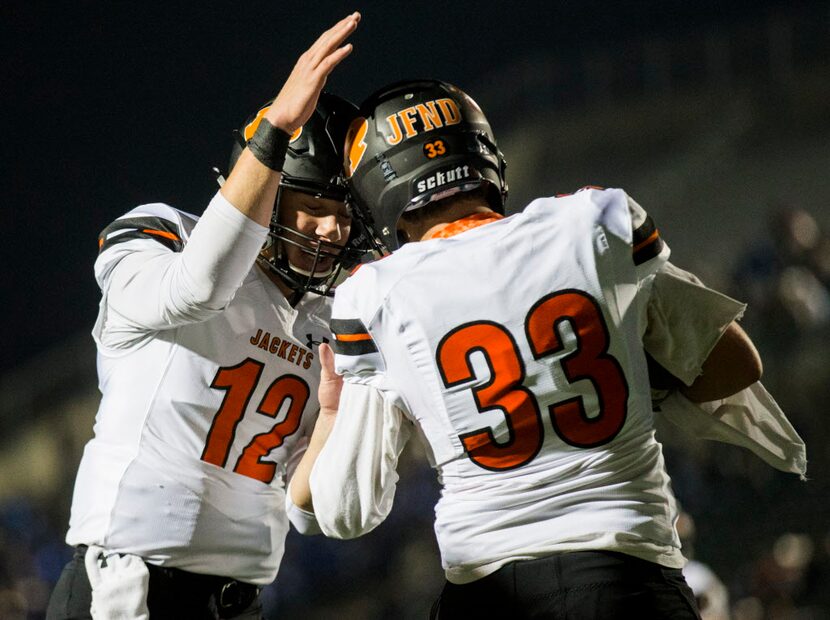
[206,404]
[515,350]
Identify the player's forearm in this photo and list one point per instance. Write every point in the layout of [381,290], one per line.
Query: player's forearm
[151,287]
[300,487]
[733,365]
[251,187]
[353,480]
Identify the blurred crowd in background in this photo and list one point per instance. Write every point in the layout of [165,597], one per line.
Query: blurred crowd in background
[758,539]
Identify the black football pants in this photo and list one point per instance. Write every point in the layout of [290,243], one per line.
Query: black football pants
[172,595]
[585,585]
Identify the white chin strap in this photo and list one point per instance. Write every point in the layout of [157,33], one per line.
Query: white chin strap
[309,274]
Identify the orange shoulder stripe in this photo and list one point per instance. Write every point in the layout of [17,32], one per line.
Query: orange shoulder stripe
[161,233]
[351,337]
[650,239]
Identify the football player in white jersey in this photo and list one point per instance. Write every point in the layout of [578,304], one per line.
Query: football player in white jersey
[208,365]
[512,346]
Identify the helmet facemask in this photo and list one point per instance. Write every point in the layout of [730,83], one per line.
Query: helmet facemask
[313,166]
[325,260]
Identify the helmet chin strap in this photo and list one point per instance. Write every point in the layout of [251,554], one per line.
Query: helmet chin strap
[325,259]
[283,255]
[295,293]
[308,274]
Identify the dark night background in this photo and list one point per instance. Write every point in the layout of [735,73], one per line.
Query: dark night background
[111,104]
[713,114]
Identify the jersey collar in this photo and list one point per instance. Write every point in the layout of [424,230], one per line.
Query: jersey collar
[465,223]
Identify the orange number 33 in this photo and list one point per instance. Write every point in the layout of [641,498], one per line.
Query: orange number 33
[504,390]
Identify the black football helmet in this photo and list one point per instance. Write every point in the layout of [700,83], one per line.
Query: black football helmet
[416,142]
[313,165]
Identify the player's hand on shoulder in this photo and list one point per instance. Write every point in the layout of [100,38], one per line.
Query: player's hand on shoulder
[297,99]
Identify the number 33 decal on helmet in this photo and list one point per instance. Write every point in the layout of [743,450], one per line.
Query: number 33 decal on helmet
[415,142]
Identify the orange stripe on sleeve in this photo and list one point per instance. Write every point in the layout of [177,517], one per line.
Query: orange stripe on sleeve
[161,233]
[650,239]
[351,337]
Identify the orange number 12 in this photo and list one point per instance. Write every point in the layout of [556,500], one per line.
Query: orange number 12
[239,383]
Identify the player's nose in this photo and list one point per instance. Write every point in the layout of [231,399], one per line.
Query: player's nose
[328,228]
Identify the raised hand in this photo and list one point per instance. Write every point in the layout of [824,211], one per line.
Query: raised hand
[297,99]
[252,185]
[330,382]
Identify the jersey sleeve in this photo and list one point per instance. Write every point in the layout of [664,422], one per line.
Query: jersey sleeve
[684,318]
[159,268]
[685,321]
[648,249]
[356,354]
[354,478]
[623,218]
[750,419]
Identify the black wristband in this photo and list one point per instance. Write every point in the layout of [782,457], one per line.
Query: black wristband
[269,145]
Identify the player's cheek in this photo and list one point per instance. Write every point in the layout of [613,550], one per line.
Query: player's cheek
[345,231]
[306,223]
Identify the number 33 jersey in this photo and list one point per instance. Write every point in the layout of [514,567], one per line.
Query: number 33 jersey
[515,350]
[207,403]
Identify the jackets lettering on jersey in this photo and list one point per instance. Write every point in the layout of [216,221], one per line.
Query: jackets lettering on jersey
[199,428]
[285,349]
